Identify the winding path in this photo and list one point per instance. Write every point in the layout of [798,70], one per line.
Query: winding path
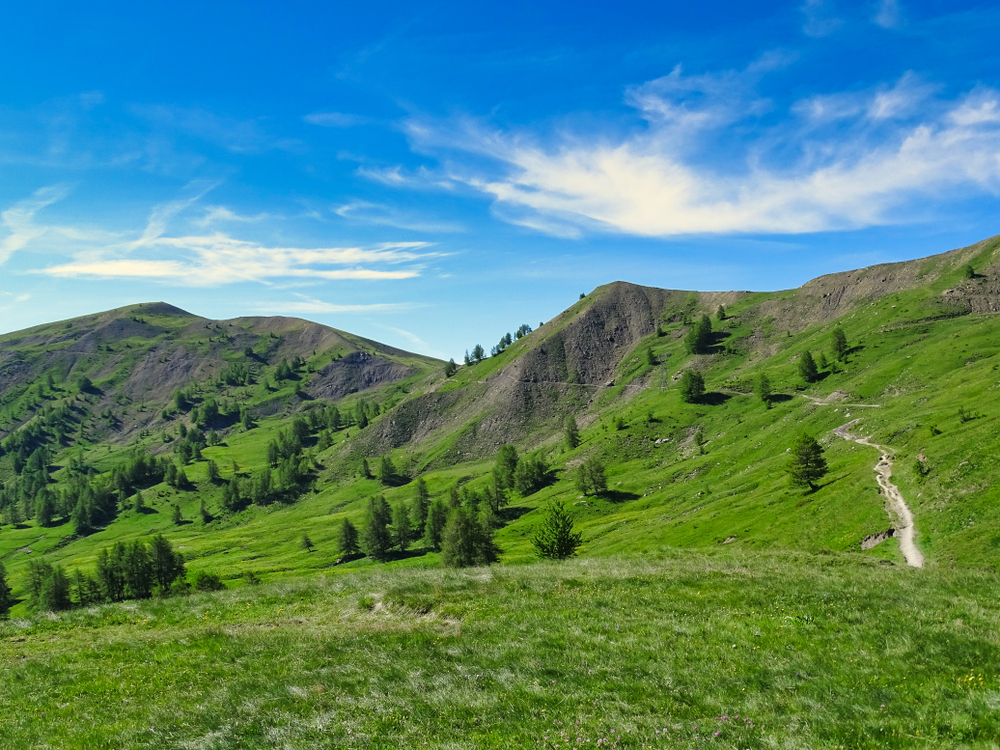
[897,506]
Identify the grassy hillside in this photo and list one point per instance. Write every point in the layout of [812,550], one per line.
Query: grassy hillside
[921,374]
[712,605]
[674,650]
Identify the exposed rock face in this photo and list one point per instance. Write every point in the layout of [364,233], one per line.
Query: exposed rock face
[357,371]
[573,357]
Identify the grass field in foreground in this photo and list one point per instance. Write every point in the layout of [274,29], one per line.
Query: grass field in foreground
[676,649]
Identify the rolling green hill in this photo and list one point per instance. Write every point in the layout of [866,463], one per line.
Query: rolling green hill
[921,375]
[237,439]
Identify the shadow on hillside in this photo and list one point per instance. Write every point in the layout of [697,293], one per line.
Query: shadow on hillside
[509,515]
[716,345]
[780,398]
[714,398]
[619,496]
[410,553]
[147,511]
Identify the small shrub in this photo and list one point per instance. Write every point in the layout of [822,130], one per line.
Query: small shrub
[206,581]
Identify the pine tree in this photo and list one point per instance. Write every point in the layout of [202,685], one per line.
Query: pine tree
[806,464]
[450,368]
[839,344]
[807,367]
[307,543]
[572,433]
[554,537]
[401,526]
[421,504]
[698,339]
[6,595]
[692,386]
[437,517]
[466,541]
[375,537]
[166,565]
[177,517]
[138,504]
[348,540]
[763,389]
[386,471]
[590,477]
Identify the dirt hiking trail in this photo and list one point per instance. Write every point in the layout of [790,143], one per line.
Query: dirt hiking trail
[897,506]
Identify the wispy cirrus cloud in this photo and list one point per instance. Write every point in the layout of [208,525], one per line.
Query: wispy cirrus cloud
[19,219]
[219,259]
[201,260]
[841,161]
[309,305]
[379,214]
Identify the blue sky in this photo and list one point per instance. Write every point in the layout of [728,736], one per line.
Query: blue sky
[432,175]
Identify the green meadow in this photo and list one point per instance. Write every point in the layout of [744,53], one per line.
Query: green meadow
[711,604]
[669,649]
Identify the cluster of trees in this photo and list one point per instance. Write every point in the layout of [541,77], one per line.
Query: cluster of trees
[129,570]
[479,354]
[516,476]
[287,370]
[461,528]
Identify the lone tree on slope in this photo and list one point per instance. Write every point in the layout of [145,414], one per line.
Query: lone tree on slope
[807,367]
[806,465]
[692,386]
[554,537]
[839,343]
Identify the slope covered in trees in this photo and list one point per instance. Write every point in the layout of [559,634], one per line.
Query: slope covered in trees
[236,439]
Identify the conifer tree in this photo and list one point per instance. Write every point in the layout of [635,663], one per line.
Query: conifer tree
[466,541]
[571,432]
[376,537]
[437,517]
[692,386]
[554,537]
[763,389]
[401,526]
[6,595]
[806,464]
[421,504]
[348,540]
[590,477]
[386,471]
[839,344]
[807,367]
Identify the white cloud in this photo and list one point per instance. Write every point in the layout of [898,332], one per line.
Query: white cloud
[202,260]
[215,214]
[19,219]
[219,259]
[308,305]
[855,159]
